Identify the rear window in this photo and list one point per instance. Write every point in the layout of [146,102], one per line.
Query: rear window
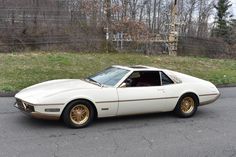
[165,79]
[173,76]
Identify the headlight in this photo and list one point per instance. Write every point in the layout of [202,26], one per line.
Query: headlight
[28,107]
[25,106]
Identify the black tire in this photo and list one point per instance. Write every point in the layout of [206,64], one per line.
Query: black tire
[67,118]
[192,110]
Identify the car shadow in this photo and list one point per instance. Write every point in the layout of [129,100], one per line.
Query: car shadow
[132,118]
[39,123]
[120,121]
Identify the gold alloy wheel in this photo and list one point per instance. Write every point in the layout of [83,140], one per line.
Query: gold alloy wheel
[187,105]
[79,114]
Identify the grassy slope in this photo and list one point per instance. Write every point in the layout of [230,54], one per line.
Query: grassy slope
[23,69]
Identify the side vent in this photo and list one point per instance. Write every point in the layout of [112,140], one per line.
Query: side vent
[105,109]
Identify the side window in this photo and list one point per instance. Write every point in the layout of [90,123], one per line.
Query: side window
[143,78]
[165,79]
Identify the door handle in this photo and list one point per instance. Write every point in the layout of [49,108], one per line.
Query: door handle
[161,90]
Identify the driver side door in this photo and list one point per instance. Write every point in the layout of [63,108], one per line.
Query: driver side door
[143,94]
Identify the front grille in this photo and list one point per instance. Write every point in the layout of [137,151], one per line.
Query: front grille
[24,106]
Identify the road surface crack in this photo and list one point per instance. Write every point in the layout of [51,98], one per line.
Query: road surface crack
[11,112]
[116,146]
[149,142]
[231,151]
[185,136]
[57,149]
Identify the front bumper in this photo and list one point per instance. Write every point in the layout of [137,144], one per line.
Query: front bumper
[30,111]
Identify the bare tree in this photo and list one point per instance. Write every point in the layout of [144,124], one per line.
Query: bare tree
[205,11]
[57,21]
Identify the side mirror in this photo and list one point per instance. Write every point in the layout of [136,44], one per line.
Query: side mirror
[123,85]
[127,83]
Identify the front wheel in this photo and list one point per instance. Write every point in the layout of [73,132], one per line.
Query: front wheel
[78,114]
[186,106]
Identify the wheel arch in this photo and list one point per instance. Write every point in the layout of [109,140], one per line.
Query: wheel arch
[84,99]
[178,111]
[189,93]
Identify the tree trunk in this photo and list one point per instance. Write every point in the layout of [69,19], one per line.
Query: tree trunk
[154,16]
[159,16]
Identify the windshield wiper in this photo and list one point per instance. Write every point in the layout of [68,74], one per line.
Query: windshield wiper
[93,81]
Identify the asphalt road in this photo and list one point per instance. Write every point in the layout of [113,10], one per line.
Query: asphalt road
[210,133]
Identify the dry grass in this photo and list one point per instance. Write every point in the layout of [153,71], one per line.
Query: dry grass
[19,70]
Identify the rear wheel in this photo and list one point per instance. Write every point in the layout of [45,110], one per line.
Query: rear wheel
[78,114]
[186,106]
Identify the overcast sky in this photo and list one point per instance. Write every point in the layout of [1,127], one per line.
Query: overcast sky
[233,8]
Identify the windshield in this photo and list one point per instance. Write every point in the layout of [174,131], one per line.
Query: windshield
[110,76]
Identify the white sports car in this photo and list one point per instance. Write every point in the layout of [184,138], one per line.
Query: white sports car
[116,91]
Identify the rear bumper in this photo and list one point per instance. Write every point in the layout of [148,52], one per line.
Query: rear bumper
[37,115]
[210,101]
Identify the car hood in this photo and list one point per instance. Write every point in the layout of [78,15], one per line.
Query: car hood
[49,88]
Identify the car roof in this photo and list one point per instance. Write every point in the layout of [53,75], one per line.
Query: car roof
[169,73]
[138,68]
